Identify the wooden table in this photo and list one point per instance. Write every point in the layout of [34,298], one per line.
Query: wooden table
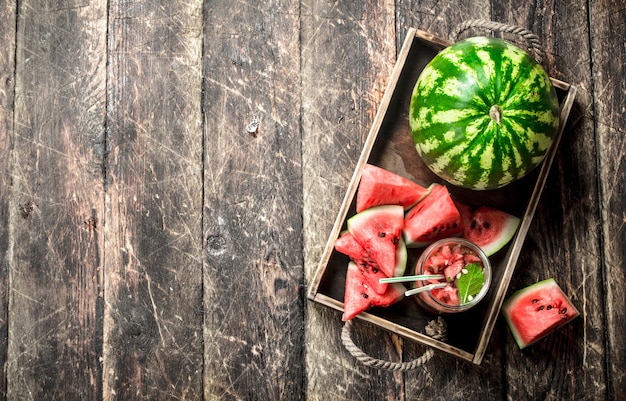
[155,248]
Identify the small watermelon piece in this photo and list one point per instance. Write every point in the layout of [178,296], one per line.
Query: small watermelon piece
[382,187]
[372,274]
[536,311]
[434,218]
[359,296]
[447,295]
[491,229]
[379,231]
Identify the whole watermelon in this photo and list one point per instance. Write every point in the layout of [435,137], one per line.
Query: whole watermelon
[483,113]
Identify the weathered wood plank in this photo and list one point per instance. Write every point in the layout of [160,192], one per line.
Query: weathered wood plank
[348,54]
[253,290]
[563,241]
[57,203]
[153,266]
[7,80]
[608,39]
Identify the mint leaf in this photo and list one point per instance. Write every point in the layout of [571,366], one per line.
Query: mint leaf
[470,283]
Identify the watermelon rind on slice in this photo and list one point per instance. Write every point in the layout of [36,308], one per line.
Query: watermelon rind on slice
[536,311]
[435,217]
[402,256]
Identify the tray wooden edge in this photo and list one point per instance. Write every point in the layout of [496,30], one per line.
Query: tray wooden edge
[420,338]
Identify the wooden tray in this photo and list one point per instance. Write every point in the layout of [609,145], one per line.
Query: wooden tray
[390,145]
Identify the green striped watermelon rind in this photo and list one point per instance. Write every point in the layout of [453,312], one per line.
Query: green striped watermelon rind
[450,113]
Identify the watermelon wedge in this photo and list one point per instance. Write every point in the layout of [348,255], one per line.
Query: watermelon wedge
[382,187]
[359,297]
[379,231]
[434,218]
[370,270]
[491,229]
[536,311]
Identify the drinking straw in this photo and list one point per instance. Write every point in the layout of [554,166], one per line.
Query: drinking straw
[403,279]
[428,287]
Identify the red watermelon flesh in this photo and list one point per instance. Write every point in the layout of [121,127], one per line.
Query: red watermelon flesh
[379,231]
[359,297]
[434,218]
[347,245]
[491,229]
[466,213]
[536,311]
[447,295]
[382,187]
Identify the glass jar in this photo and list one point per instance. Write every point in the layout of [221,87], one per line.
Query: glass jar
[434,304]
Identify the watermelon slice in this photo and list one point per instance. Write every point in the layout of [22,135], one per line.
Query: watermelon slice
[347,245]
[434,218]
[359,297]
[382,187]
[536,311]
[379,231]
[489,228]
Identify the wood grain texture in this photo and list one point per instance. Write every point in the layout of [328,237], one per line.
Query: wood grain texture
[56,205]
[439,18]
[8,35]
[608,33]
[152,247]
[253,277]
[153,267]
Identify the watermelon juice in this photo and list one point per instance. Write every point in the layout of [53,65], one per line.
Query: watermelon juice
[465,276]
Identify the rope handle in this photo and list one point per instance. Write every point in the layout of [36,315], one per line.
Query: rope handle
[534,44]
[435,329]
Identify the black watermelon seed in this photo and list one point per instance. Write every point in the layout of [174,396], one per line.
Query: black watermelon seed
[563,311]
[535,301]
[473,224]
[549,307]
[364,295]
[541,307]
[381,234]
[486,224]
